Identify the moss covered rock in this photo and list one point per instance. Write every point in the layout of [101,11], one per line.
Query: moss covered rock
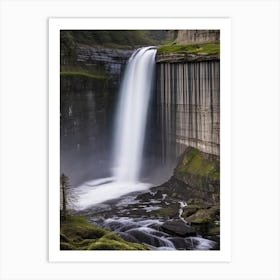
[195,162]
[201,172]
[202,216]
[78,234]
[196,48]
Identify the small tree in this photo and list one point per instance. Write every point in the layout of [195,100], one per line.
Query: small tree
[67,197]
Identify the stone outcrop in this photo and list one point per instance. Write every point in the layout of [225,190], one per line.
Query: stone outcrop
[178,227]
[197,36]
[185,57]
[111,61]
[201,171]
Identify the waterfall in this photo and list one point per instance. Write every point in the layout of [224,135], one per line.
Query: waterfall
[132,114]
[130,129]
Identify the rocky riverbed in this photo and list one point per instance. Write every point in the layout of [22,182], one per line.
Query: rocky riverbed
[173,216]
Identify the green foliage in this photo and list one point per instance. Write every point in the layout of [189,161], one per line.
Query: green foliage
[200,48]
[67,197]
[157,36]
[111,38]
[82,74]
[78,234]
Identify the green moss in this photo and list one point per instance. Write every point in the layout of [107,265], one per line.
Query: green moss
[108,244]
[202,216]
[63,238]
[194,163]
[166,212]
[214,230]
[205,215]
[82,74]
[190,210]
[67,246]
[78,234]
[202,48]
[113,242]
[112,236]
[77,228]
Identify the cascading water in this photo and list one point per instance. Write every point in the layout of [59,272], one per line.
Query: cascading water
[132,114]
[130,133]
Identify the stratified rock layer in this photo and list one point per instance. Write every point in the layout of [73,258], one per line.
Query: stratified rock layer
[111,61]
[197,36]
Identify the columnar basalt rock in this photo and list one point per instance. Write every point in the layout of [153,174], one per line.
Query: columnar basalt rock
[188,98]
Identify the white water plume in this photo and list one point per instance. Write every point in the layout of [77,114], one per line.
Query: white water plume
[132,114]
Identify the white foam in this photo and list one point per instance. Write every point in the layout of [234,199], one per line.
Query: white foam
[204,244]
[100,193]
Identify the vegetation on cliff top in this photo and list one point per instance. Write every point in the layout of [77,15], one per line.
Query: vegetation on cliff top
[111,38]
[200,48]
[77,234]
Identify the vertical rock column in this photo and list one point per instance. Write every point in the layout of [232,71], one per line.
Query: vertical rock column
[188,102]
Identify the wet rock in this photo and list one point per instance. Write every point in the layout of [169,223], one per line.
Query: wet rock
[180,243]
[179,228]
[127,237]
[147,238]
[204,216]
[145,196]
[189,210]
[167,212]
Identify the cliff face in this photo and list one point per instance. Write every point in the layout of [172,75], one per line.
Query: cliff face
[109,61]
[197,36]
[188,100]
[185,111]
[87,105]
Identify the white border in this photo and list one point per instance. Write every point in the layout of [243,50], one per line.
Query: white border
[55,25]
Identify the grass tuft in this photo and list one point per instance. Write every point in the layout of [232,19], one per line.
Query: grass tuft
[202,48]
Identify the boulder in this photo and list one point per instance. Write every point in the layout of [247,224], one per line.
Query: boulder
[178,227]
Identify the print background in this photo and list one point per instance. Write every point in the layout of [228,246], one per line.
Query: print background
[24,145]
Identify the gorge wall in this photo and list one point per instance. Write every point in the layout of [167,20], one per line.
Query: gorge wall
[188,93]
[188,100]
[89,91]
